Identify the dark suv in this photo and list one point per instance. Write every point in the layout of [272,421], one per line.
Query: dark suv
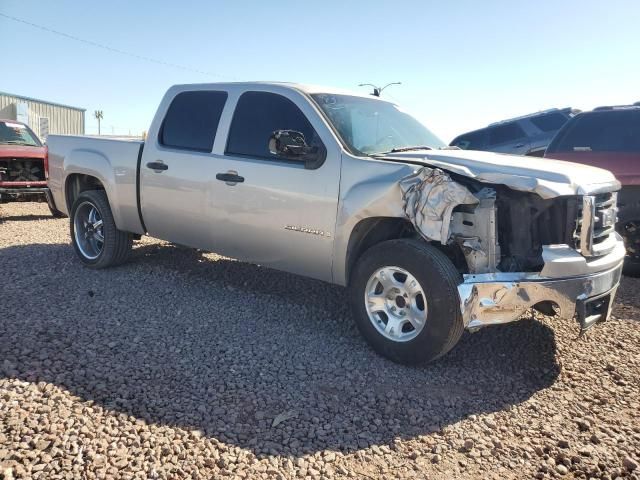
[526,135]
[609,138]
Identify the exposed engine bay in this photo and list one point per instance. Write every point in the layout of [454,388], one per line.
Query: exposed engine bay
[495,227]
[22,170]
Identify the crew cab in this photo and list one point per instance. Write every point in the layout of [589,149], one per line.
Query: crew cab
[609,137]
[23,165]
[351,190]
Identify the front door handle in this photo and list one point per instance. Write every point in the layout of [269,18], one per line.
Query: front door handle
[157,166]
[230,178]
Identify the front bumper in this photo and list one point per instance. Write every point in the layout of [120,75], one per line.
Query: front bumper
[496,298]
[8,194]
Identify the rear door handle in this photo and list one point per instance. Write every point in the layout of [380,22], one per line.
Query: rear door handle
[157,166]
[230,178]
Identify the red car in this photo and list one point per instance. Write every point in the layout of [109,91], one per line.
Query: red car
[23,165]
[609,137]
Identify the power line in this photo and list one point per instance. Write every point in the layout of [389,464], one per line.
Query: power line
[106,47]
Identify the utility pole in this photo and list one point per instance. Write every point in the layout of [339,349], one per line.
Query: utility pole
[99,116]
[377,91]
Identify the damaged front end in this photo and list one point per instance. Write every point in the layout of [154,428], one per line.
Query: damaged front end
[520,250]
[446,211]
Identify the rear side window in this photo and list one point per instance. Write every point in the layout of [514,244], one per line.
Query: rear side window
[192,120]
[471,141]
[257,116]
[505,133]
[549,122]
[607,131]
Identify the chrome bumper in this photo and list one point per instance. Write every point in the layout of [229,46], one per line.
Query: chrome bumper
[495,298]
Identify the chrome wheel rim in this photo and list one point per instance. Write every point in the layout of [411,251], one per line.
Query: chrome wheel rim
[396,304]
[88,230]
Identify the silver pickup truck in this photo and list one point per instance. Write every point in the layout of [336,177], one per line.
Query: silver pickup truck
[352,190]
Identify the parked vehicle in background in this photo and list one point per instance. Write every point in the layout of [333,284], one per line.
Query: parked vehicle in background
[526,135]
[23,165]
[609,137]
[351,190]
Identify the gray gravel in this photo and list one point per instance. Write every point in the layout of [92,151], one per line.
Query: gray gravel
[184,364]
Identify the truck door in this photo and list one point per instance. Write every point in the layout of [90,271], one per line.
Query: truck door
[178,169]
[270,210]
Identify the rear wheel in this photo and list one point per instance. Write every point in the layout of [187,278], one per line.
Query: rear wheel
[94,234]
[405,301]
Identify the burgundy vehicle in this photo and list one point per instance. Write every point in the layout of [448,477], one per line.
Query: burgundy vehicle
[23,165]
[609,137]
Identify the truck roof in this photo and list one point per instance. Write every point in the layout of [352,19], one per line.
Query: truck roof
[301,87]
[5,120]
[635,106]
[532,115]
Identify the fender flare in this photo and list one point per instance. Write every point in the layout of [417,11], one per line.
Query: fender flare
[93,164]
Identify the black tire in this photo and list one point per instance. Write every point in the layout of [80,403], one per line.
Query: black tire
[629,227]
[117,244]
[439,280]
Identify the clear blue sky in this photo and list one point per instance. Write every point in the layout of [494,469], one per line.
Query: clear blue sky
[463,64]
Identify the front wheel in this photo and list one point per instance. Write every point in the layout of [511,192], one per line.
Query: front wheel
[628,227]
[94,234]
[404,296]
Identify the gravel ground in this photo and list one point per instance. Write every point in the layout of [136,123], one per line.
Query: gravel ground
[184,364]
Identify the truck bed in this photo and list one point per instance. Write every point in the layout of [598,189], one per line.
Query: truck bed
[97,157]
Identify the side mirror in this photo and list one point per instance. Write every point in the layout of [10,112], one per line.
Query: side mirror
[288,143]
[291,145]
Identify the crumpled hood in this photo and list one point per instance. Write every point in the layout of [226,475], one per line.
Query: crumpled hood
[548,178]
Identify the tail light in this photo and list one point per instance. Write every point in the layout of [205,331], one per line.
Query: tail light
[46,163]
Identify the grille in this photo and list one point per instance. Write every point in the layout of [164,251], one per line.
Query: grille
[596,224]
[22,170]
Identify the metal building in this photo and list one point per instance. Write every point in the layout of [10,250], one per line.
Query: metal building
[43,117]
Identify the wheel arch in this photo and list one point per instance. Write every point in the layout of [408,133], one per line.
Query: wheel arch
[374,230]
[76,183]
[369,232]
[90,170]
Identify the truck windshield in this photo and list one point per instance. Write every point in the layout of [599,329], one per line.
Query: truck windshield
[17,134]
[369,126]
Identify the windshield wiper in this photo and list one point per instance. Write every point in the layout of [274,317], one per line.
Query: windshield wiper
[408,149]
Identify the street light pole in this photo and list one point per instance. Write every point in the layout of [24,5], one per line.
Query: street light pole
[99,116]
[377,91]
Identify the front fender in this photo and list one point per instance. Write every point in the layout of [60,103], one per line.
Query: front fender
[369,188]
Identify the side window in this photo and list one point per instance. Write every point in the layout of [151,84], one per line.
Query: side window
[192,120]
[471,141]
[505,133]
[549,122]
[606,131]
[257,116]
